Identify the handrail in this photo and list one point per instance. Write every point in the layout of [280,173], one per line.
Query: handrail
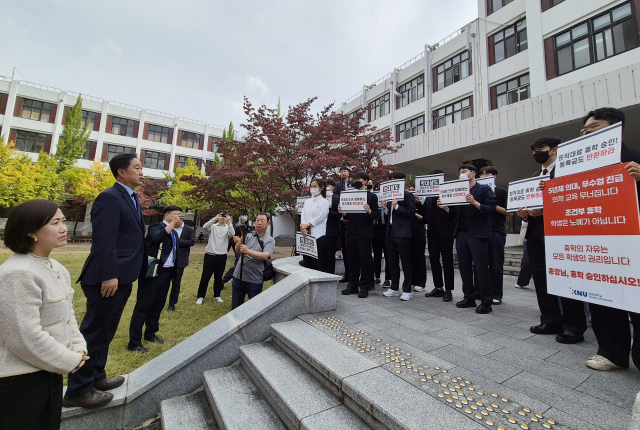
[40,86]
[157,113]
[355,96]
[193,121]
[85,96]
[381,80]
[411,61]
[218,126]
[5,78]
[124,105]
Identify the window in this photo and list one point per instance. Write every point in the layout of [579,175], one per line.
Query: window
[379,107]
[355,113]
[122,126]
[27,141]
[596,39]
[411,91]
[87,151]
[455,112]
[158,134]
[410,128]
[113,150]
[190,140]
[88,118]
[183,160]
[453,70]
[33,109]
[512,91]
[510,41]
[154,160]
[556,2]
[498,4]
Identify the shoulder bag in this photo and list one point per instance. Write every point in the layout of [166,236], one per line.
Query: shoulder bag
[269,272]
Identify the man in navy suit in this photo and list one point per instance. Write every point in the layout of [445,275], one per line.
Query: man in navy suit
[118,258]
[187,237]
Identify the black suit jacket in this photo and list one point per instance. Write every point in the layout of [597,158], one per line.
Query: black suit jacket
[333,220]
[118,248]
[402,216]
[479,221]
[440,223]
[187,240]
[340,186]
[535,225]
[157,235]
[364,221]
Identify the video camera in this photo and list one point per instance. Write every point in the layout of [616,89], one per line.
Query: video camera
[247,227]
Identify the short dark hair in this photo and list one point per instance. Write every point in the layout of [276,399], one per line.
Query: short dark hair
[397,175]
[322,185]
[436,171]
[266,214]
[172,208]
[27,218]
[243,213]
[489,169]
[362,175]
[330,181]
[541,142]
[344,168]
[611,115]
[121,161]
[469,167]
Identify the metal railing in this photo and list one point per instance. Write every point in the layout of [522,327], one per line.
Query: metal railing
[5,78]
[413,60]
[381,80]
[450,37]
[124,105]
[193,121]
[218,126]
[39,86]
[355,96]
[157,113]
[85,96]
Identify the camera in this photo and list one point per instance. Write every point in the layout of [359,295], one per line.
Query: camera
[247,227]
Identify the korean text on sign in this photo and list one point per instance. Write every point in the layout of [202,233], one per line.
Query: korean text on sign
[391,190]
[306,245]
[429,185]
[525,194]
[454,193]
[300,203]
[353,201]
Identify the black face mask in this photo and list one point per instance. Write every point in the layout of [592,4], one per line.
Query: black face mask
[541,157]
[369,187]
[357,184]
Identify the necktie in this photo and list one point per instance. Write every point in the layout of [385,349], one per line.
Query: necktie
[136,203]
[174,239]
[545,171]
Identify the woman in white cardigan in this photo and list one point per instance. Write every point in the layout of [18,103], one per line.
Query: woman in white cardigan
[39,336]
[314,222]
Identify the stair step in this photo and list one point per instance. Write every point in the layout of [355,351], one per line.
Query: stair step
[292,392]
[236,402]
[335,418]
[190,412]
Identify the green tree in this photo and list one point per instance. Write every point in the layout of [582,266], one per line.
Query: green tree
[176,194]
[73,140]
[86,184]
[229,135]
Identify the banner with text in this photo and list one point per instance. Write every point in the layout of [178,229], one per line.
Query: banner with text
[329,196]
[306,245]
[429,185]
[525,193]
[490,181]
[300,203]
[592,231]
[454,193]
[353,201]
[591,151]
[390,190]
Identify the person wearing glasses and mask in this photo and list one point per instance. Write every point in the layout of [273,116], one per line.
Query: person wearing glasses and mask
[314,223]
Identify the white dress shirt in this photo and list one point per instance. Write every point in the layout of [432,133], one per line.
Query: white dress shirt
[316,212]
[548,169]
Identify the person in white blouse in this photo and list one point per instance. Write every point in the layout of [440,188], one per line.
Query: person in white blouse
[314,223]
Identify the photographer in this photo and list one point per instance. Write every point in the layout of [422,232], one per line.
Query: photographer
[237,237]
[220,230]
[256,247]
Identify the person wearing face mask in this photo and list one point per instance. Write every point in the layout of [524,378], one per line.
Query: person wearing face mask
[379,246]
[333,227]
[237,237]
[314,222]
[220,230]
[569,323]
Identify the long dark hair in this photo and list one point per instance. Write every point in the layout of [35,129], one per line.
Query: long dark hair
[322,185]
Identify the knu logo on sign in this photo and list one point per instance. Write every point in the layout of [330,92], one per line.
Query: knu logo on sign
[579,293]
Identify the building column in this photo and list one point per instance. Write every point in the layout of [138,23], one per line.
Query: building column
[57,126]
[204,148]
[103,129]
[535,49]
[11,104]
[141,119]
[174,142]
[428,89]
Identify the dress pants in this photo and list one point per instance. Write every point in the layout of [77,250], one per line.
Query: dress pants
[31,401]
[98,328]
[331,243]
[399,250]
[524,277]
[175,286]
[212,265]
[441,246]
[418,259]
[345,251]
[360,262]
[379,247]
[572,316]
[473,252]
[150,300]
[242,289]
[496,262]
[611,327]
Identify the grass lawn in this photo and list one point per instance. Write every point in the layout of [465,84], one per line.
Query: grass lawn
[174,326]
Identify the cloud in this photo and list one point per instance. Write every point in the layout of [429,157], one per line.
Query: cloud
[254,82]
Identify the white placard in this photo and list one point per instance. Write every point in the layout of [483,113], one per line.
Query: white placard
[429,185]
[353,201]
[329,197]
[390,190]
[592,151]
[490,181]
[300,203]
[525,193]
[306,245]
[454,193]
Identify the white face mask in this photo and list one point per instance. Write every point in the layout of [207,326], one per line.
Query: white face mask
[464,176]
[315,192]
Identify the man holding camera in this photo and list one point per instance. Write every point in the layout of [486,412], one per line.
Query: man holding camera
[256,247]
[220,230]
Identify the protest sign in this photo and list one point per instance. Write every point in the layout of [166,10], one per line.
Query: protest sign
[329,195]
[429,185]
[490,181]
[306,245]
[592,230]
[591,151]
[394,189]
[454,193]
[300,203]
[353,201]
[525,193]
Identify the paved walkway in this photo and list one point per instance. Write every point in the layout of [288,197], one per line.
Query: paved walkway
[464,358]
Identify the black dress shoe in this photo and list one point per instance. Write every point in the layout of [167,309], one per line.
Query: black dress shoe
[364,293]
[483,308]
[171,308]
[466,303]
[90,399]
[545,329]
[348,291]
[139,348]
[154,339]
[569,337]
[447,297]
[109,383]
[343,280]
[436,292]
[386,284]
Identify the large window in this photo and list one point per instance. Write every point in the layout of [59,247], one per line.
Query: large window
[453,70]
[190,140]
[411,91]
[158,134]
[183,160]
[113,150]
[410,128]
[596,39]
[34,109]
[510,41]
[28,141]
[379,107]
[154,160]
[122,126]
[87,151]
[512,91]
[89,118]
[498,4]
[355,113]
[455,112]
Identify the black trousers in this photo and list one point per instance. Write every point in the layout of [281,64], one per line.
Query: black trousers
[441,246]
[379,245]
[418,259]
[473,252]
[345,251]
[360,262]
[212,265]
[572,316]
[31,401]
[331,243]
[98,328]
[175,286]
[399,250]
[524,277]
[496,262]
[150,300]
[611,327]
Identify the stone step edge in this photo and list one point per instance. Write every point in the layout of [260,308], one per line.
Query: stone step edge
[199,404]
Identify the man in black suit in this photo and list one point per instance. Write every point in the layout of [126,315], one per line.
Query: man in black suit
[152,292]
[118,257]
[187,236]
[343,185]
[418,245]
[333,227]
[380,246]
[359,236]
[398,239]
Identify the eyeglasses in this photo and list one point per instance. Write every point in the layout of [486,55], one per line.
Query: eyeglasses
[592,127]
